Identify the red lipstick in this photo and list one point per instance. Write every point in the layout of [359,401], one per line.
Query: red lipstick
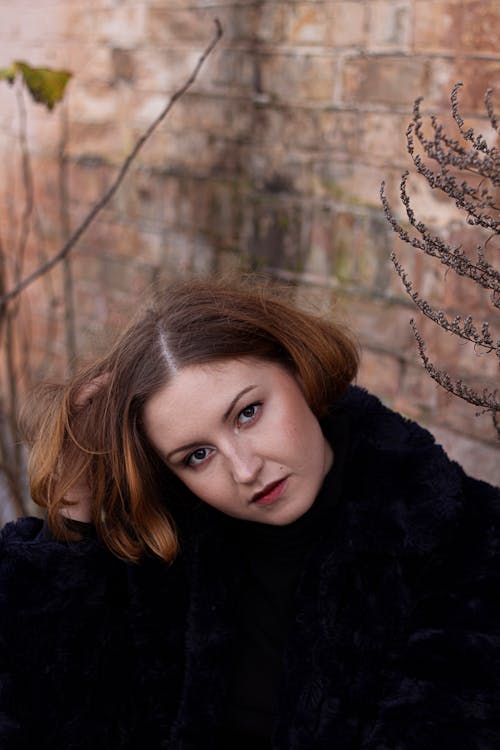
[270,493]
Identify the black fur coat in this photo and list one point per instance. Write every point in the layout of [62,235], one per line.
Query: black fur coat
[395,643]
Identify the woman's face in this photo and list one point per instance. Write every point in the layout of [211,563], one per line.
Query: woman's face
[241,437]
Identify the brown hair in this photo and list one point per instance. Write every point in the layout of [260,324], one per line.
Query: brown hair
[102,439]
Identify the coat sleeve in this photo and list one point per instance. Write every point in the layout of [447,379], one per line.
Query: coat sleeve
[64,637]
[443,688]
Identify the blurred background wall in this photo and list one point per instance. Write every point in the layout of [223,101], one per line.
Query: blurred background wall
[272,162]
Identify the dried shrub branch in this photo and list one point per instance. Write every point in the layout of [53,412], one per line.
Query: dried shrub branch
[467,170]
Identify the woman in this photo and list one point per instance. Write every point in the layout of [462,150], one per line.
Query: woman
[244,551]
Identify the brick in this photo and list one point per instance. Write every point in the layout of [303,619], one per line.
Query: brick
[215,156]
[32,24]
[292,78]
[341,182]
[224,205]
[229,70]
[122,26]
[141,196]
[480,23]
[418,396]
[7,116]
[479,459]
[203,257]
[46,185]
[122,276]
[177,251]
[162,70]
[478,75]
[263,22]
[380,325]
[338,131]
[187,253]
[297,127]
[347,25]
[127,241]
[382,139]
[177,26]
[306,23]
[218,115]
[320,250]
[379,373]
[122,65]
[373,265]
[441,77]
[310,293]
[180,197]
[228,261]
[97,143]
[88,61]
[360,251]
[465,418]
[315,130]
[88,180]
[279,236]
[437,25]
[279,171]
[422,399]
[95,102]
[390,25]
[384,80]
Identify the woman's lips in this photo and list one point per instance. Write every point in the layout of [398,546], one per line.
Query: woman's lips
[270,493]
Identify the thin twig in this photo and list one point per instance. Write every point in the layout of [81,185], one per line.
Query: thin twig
[463,327]
[97,208]
[67,269]
[487,400]
[27,173]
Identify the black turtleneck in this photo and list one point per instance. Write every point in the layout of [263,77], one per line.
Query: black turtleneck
[271,559]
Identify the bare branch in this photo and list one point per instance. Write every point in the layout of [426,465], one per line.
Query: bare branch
[487,400]
[67,269]
[97,208]
[464,328]
[27,174]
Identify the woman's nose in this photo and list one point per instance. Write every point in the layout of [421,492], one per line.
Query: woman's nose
[245,464]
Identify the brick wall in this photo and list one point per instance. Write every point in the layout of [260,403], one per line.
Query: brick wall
[273,161]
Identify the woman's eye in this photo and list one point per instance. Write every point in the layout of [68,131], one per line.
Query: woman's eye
[197,457]
[248,413]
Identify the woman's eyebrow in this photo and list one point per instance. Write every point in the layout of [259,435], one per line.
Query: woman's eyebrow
[235,401]
[224,419]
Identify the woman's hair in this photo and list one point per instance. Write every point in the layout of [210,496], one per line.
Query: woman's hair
[92,427]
